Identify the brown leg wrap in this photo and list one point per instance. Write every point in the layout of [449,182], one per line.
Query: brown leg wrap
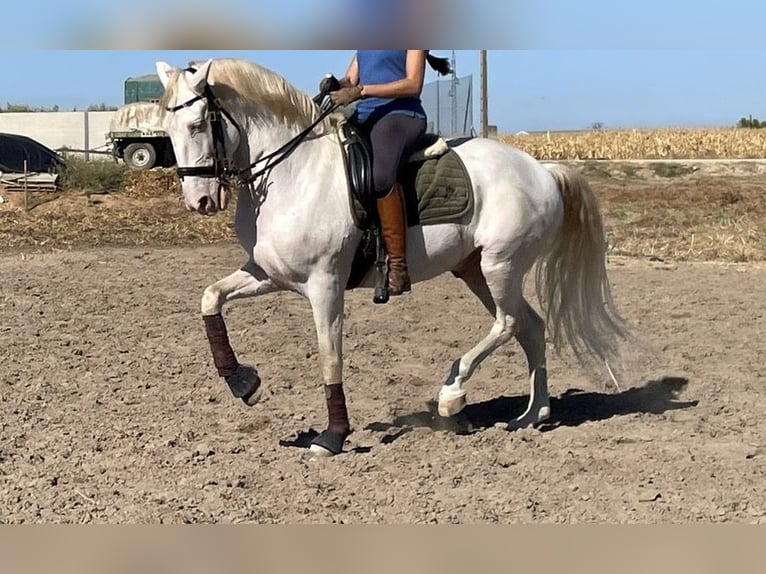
[336,408]
[223,355]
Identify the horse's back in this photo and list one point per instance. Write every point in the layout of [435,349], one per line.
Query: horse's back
[516,198]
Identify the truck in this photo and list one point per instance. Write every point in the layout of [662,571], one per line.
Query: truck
[135,134]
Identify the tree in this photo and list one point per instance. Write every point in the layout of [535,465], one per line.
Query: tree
[102,107]
[751,122]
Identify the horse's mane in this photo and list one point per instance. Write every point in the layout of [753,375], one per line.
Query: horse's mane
[254,89]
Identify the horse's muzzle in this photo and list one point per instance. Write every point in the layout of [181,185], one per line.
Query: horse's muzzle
[207,203]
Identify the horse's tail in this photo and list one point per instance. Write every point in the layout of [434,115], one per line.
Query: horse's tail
[571,280]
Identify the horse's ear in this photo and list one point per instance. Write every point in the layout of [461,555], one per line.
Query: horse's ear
[199,79]
[165,72]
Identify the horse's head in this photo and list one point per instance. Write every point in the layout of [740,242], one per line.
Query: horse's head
[203,136]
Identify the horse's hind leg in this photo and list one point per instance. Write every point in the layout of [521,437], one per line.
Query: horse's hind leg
[243,380]
[531,337]
[497,302]
[502,296]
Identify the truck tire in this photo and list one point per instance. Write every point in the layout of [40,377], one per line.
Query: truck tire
[140,155]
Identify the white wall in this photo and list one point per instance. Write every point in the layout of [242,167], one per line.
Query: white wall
[59,129]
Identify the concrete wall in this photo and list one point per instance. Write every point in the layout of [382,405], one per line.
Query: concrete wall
[60,129]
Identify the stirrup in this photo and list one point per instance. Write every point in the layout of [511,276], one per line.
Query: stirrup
[381,295]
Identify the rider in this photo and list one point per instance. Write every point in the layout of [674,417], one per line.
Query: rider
[388,84]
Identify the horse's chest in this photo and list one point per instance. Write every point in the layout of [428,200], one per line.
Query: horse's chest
[281,262]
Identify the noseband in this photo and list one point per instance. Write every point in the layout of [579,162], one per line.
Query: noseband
[223,168]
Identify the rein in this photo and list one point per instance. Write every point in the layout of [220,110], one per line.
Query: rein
[222,168]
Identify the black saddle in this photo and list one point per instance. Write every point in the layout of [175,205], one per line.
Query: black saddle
[358,156]
[358,159]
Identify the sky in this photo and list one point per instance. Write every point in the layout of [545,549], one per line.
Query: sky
[527,89]
[553,64]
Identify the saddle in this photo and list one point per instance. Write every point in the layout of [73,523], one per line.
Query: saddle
[436,185]
[437,188]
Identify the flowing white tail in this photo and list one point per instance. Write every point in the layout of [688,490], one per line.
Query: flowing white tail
[571,280]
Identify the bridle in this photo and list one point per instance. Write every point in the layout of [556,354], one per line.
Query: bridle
[223,169]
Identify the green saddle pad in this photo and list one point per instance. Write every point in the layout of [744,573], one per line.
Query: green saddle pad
[436,190]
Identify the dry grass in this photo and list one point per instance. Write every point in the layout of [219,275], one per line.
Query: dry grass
[148,211]
[706,219]
[671,214]
[723,143]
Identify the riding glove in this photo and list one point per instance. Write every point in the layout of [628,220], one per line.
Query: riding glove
[345,96]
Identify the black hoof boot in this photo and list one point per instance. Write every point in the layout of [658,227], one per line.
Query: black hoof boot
[245,384]
[328,443]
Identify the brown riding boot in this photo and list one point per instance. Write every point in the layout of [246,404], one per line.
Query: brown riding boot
[393,226]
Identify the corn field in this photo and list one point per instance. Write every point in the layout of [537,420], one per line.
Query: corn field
[721,143]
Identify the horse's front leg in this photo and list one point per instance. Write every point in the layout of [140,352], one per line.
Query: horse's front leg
[249,281]
[326,297]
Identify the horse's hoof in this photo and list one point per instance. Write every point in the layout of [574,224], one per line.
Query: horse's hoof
[451,406]
[327,444]
[320,452]
[529,420]
[254,397]
[245,384]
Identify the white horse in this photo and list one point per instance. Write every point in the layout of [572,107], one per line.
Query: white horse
[226,117]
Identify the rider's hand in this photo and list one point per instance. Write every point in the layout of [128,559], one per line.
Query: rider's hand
[345,96]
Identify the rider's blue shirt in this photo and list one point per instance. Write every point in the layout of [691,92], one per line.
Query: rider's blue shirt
[381,67]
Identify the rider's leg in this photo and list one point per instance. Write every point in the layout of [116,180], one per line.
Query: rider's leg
[393,138]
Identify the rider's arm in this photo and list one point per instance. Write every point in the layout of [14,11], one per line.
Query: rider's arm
[352,75]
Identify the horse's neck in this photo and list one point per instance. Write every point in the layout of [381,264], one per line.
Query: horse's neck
[311,176]
[265,140]
[266,137]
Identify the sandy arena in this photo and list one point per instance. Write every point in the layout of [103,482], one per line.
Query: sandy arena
[110,409]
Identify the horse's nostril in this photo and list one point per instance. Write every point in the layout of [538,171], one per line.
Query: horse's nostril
[203,203]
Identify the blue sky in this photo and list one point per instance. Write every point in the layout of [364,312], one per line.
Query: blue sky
[528,89]
[553,64]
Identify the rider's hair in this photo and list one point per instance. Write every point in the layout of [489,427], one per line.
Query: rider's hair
[441,65]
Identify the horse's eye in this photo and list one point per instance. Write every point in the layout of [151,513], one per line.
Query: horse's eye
[197,127]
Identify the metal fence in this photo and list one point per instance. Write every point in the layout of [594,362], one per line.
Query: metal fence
[449,105]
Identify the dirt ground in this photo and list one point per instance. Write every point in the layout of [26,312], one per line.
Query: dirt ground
[110,409]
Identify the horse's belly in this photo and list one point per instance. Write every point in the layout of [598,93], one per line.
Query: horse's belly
[432,250]
[436,249]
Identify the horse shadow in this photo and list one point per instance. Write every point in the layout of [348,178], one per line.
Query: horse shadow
[573,408]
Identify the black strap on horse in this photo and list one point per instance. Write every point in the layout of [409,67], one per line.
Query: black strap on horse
[283,152]
[326,106]
[220,168]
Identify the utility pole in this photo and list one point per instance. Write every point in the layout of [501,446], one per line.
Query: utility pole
[453,94]
[484,112]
